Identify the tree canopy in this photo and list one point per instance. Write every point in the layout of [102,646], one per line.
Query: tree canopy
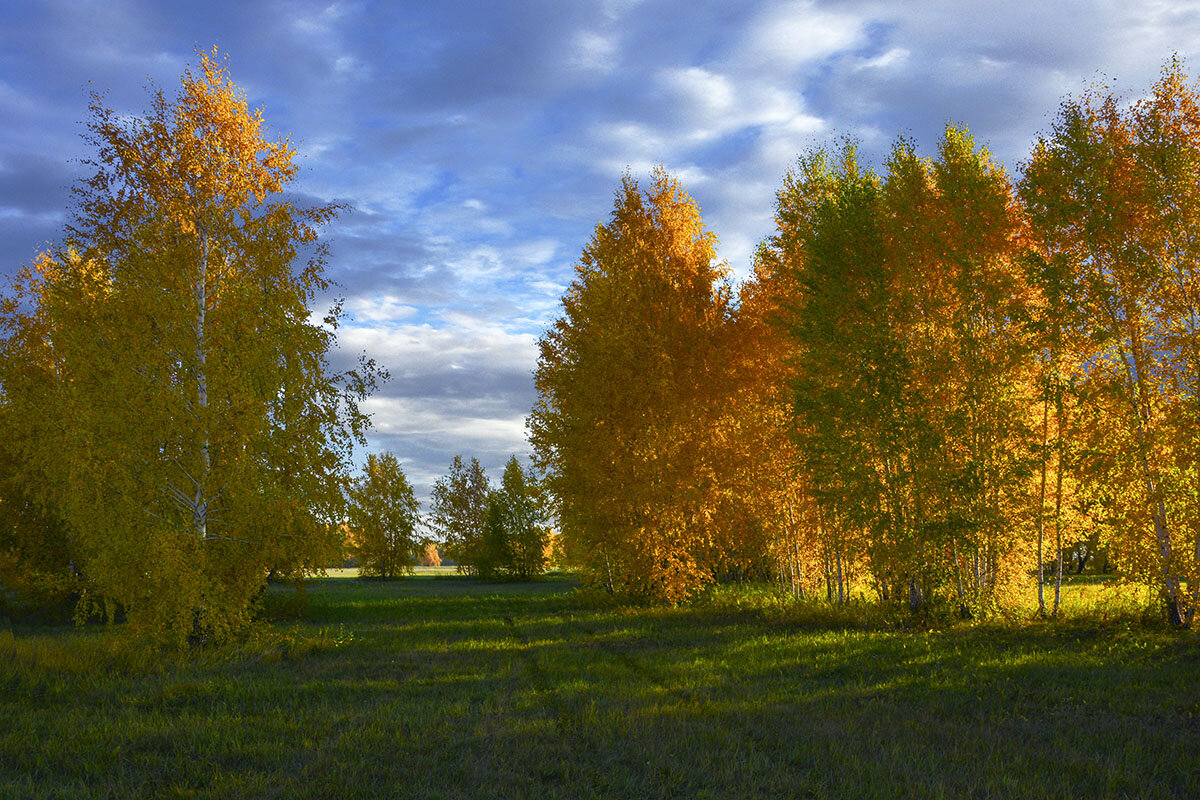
[383,519]
[630,382]
[165,390]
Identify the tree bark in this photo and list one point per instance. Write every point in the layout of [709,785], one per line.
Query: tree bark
[1041,525]
[200,503]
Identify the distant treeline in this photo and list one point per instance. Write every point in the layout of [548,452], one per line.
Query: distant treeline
[490,532]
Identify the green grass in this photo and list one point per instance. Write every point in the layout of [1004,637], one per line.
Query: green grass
[438,687]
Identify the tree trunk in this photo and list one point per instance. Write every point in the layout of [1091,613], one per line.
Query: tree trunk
[963,611]
[1139,401]
[915,597]
[1041,524]
[840,592]
[1058,543]
[200,503]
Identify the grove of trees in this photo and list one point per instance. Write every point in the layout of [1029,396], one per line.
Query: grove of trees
[492,533]
[937,379]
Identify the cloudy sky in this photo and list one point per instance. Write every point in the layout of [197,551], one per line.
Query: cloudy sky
[479,143]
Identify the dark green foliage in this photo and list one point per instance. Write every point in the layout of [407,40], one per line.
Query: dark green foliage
[496,552]
[36,551]
[515,535]
[526,521]
[458,512]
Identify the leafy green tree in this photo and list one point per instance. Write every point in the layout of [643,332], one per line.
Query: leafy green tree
[167,391]
[529,534]
[850,371]
[383,519]
[458,512]
[909,367]
[495,555]
[515,537]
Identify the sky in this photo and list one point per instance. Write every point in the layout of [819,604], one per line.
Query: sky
[478,144]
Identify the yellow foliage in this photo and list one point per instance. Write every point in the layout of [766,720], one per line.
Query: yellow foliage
[166,393]
[1113,196]
[630,383]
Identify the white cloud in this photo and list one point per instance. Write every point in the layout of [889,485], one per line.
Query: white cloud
[323,21]
[463,342]
[533,253]
[615,9]
[702,107]
[13,101]
[383,309]
[463,386]
[896,56]
[704,93]
[324,33]
[788,35]
[462,425]
[594,52]
[717,104]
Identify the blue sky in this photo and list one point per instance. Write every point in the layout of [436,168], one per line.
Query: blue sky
[480,143]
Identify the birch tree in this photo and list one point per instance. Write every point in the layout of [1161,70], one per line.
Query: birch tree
[1113,193]
[631,379]
[182,413]
[383,519]
[458,512]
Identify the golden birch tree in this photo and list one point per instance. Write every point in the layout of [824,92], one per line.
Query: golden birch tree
[1113,194]
[179,412]
[961,301]
[629,383]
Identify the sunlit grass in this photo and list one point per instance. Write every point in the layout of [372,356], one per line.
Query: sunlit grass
[441,687]
[421,572]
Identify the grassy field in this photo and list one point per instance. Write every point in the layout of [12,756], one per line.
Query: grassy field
[439,687]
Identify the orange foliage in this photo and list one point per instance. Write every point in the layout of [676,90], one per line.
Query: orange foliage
[631,381]
[430,556]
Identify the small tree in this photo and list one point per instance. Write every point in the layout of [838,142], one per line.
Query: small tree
[515,536]
[430,557]
[527,531]
[495,556]
[383,519]
[458,513]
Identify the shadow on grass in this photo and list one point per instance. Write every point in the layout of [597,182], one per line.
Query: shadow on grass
[462,689]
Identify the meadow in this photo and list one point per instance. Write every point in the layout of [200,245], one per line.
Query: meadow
[441,687]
